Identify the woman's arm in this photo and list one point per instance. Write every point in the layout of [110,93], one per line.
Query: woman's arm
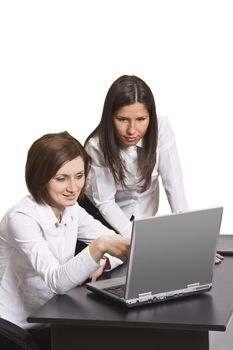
[59,274]
[28,238]
[170,168]
[91,229]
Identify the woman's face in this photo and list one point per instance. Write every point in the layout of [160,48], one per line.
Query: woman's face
[131,123]
[64,188]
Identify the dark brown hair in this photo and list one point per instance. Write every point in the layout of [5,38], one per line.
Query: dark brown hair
[45,157]
[127,90]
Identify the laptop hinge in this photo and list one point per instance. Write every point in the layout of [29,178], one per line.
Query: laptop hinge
[145,296]
[193,285]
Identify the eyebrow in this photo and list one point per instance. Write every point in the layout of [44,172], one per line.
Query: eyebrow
[79,172]
[124,116]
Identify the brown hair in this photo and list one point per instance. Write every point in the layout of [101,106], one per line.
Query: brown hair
[45,157]
[127,90]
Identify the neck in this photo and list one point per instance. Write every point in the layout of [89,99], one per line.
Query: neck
[58,213]
[59,217]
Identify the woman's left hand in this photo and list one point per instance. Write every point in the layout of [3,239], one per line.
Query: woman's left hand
[218,258]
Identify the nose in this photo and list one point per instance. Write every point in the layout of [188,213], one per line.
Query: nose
[72,185]
[131,128]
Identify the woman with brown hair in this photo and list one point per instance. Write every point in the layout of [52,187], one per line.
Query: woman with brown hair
[38,235]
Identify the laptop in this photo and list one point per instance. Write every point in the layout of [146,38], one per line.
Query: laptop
[171,256]
[225,244]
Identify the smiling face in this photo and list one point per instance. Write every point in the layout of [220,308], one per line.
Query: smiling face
[65,186]
[131,123]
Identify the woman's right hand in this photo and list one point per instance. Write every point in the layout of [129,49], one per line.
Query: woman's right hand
[114,245]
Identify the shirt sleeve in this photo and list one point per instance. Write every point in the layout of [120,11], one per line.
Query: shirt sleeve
[101,189]
[170,168]
[27,237]
[90,229]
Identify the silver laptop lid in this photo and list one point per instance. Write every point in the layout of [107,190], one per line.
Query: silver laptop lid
[172,252]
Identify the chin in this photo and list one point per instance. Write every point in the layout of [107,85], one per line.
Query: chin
[133,143]
[70,203]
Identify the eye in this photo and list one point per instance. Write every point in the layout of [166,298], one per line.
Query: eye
[141,119]
[60,178]
[80,176]
[121,119]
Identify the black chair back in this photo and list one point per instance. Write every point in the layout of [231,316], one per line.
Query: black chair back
[13,337]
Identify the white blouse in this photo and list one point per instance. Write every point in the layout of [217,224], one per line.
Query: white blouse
[37,256]
[117,204]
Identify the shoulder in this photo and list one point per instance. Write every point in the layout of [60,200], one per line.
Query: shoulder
[93,142]
[28,211]
[29,205]
[26,206]
[93,145]
[164,126]
[23,213]
[163,123]
[165,133]
[95,152]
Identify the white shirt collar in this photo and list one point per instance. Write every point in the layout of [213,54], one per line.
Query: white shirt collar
[47,217]
[140,143]
[133,149]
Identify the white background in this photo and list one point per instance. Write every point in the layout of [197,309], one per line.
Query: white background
[58,59]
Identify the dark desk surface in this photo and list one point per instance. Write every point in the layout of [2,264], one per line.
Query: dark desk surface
[207,311]
[225,244]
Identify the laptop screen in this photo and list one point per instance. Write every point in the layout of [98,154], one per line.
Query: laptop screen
[173,251]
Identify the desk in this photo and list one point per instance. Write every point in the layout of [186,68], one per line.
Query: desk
[82,320]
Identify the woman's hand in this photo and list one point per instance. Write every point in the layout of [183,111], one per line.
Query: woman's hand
[95,275]
[218,258]
[114,245]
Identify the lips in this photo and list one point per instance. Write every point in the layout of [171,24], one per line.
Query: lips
[131,139]
[70,197]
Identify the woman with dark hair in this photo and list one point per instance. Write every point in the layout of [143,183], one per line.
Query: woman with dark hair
[130,149]
[38,235]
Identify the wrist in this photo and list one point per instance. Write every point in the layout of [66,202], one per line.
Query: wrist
[97,249]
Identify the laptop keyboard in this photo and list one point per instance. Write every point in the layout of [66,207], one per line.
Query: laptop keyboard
[117,290]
